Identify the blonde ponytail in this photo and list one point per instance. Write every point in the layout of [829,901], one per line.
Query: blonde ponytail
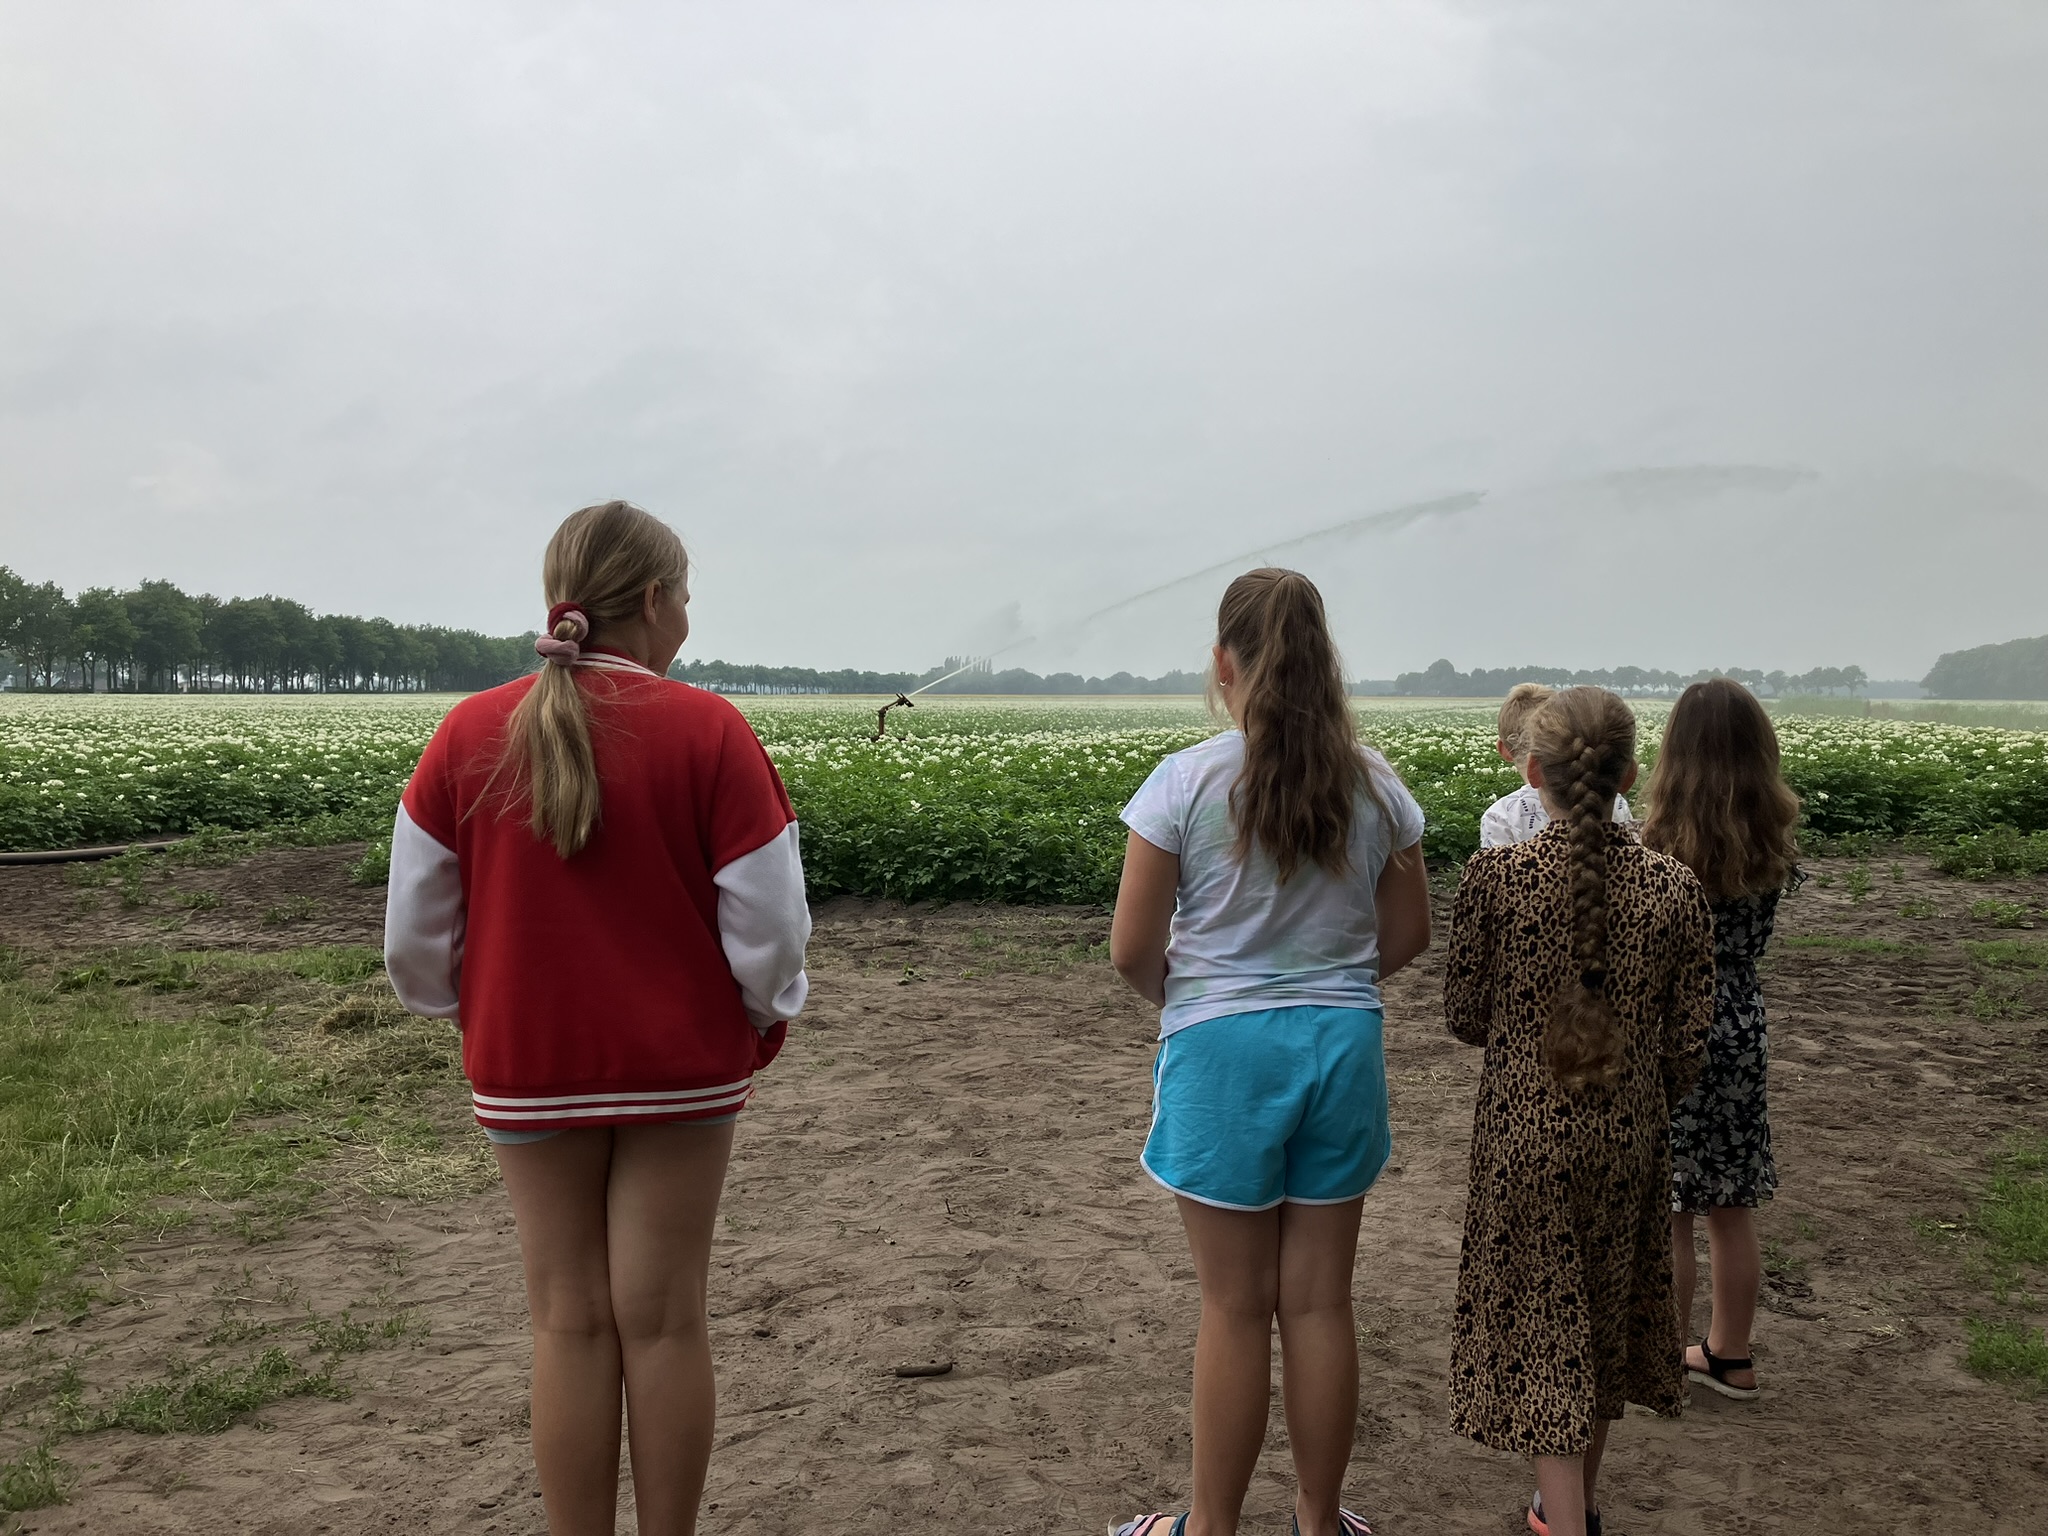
[596,573]
[1585,741]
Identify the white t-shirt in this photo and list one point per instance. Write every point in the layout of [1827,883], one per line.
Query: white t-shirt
[1518,817]
[1241,940]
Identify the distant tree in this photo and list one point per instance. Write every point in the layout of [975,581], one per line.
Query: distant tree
[42,631]
[102,635]
[168,627]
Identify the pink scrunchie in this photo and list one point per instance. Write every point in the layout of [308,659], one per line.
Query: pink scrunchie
[563,653]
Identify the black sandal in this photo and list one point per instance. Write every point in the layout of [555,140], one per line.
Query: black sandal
[1715,1377]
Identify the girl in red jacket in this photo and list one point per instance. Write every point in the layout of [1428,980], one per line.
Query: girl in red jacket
[595,872]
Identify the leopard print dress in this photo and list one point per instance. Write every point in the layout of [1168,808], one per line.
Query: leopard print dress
[1565,1308]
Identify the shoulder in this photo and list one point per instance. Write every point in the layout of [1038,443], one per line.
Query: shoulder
[482,715]
[1665,874]
[1487,867]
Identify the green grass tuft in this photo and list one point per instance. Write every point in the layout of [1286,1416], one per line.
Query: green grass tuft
[2010,954]
[207,1399]
[36,1479]
[1848,946]
[2001,914]
[2008,1351]
[2013,1218]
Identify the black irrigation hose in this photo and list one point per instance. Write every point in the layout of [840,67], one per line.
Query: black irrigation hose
[80,855]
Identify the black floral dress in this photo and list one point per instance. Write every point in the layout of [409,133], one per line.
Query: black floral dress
[1721,1131]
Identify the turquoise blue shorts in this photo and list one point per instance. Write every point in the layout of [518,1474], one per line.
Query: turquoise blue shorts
[1253,1109]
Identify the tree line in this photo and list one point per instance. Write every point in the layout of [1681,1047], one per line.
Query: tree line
[2015,669]
[159,639]
[1442,680]
[732,677]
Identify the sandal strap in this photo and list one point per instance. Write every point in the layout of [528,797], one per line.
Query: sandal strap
[1718,1367]
[1353,1525]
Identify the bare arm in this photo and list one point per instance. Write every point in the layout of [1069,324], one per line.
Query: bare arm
[1401,904]
[1144,918]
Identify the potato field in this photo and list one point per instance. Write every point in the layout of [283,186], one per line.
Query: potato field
[968,798]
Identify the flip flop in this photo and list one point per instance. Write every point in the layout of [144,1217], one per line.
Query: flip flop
[1151,1525]
[1715,1377]
[1542,1527]
[1347,1522]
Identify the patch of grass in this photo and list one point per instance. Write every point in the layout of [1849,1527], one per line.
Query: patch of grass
[1843,944]
[1857,883]
[345,1335]
[2010,954]
[1919,906]
[132,1099]
[197,901]
[340,965]
[2002,914]
[2013,1218]
[205,1399]
[158,970]
[293,909]
[1998,998]
[2008,1351]
[36,1479]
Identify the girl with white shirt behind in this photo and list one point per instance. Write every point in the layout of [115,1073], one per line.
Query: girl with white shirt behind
[1520,814]
[1272,879]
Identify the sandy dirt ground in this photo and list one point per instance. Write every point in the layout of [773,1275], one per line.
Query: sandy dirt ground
[942,1166]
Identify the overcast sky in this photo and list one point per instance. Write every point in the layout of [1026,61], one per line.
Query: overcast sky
[934,327]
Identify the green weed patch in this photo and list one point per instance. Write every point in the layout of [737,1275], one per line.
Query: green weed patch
[145,1089]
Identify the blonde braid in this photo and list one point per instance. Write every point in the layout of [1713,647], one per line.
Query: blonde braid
[1584,739]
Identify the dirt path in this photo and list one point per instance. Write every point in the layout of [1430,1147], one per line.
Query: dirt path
[942,1166]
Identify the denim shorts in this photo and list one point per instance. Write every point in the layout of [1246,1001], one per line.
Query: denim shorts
[1288,1104]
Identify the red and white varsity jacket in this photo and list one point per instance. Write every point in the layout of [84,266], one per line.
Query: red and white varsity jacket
[649,976]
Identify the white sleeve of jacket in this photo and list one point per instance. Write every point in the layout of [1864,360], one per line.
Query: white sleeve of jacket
[423,922]
[763,924]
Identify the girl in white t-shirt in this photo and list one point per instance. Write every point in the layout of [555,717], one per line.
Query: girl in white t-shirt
[1272,878]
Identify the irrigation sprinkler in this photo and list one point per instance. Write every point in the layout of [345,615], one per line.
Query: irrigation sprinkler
[901,701]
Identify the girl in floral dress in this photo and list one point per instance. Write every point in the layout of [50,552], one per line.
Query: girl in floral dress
[1719,804]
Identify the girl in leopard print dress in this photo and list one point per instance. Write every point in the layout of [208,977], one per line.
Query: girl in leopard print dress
[1719,805]
[1583,962]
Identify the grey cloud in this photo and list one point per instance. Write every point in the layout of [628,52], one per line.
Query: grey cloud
[908,315]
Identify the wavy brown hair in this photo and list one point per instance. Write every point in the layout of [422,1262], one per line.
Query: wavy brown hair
[1584,740]
[602,559]
[1303,767]
[1718,802]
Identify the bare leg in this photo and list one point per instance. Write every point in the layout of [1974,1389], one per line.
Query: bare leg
[1319,1354]
[1738,1261]
[1237,1262]
[1561,1481]
[666,1181]
[557,1189]
[1594,1452]
[1685,1272]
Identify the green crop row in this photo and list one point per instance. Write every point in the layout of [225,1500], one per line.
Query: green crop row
[966,798]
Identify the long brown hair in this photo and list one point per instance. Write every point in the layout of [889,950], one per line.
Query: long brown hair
[1303,768]
[1584,740]
[601,559]
[1718,802]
